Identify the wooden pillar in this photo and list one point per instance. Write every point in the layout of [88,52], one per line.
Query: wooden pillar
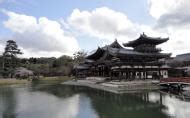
[110,74]
[94,70]
[132,71]
[99,70]
[144,72]
[129,74]
[120,74]
[103,70]
[126,73]
[159,72]
[145,75]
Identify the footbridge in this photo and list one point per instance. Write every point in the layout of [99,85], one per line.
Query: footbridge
[175,82]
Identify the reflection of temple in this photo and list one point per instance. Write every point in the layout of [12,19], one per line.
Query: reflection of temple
[129,105]
[115,61]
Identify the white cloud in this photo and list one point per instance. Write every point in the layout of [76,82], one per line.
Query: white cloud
[50,106]
[103,23]
[170,12]
[40,35]
[173,18]
[1,49]
[176,107]
[106,23]
[160,7]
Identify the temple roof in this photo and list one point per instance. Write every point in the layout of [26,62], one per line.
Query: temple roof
[144,39]
[122,52]
[96,55]
[115,44]
[115,49]
[88,61]
[129,52]
[100,51]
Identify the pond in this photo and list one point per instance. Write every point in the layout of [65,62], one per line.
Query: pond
[60,101]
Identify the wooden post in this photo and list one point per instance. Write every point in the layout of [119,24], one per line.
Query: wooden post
[159,72]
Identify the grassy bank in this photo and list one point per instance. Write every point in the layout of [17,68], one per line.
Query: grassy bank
[61,78]
[41,80]
[53,80]
[13,81]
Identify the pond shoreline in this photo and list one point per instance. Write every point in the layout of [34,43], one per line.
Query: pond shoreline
[12,81]
[117,87]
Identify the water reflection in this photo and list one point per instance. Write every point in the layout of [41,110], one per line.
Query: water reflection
[58,101]
[7,103]
[177,103]
[37,104]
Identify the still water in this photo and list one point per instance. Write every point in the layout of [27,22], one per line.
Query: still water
[60,101]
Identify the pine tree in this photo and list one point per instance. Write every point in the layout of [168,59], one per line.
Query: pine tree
[10,58]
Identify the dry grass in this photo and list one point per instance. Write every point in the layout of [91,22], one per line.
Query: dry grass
[9,81]
[13,81]
[55,78]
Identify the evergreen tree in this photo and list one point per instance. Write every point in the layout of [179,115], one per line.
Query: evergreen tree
[10,58]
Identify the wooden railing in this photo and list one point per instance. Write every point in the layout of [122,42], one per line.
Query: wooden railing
[175,79]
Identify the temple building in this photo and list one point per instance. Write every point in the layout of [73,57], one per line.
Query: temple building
[143,61]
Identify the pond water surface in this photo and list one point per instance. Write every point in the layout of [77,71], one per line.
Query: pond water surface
[60,101]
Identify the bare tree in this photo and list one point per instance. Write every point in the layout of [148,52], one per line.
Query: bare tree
[79,56]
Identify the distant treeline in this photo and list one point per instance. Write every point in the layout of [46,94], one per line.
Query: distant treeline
[48,66]
[63,65]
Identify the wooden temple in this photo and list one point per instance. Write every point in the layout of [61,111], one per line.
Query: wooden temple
[144,61]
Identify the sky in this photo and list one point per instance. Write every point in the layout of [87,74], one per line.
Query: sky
[54,28]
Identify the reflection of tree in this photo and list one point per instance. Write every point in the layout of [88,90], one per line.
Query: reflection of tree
[58,90]
[8,102]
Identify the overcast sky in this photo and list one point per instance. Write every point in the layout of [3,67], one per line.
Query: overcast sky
[49,28]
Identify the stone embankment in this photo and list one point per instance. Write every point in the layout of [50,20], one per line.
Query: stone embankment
[116,86]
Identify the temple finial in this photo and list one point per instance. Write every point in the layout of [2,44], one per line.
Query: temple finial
[144,34]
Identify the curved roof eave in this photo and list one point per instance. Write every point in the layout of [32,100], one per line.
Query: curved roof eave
[144,38]
[96,54]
